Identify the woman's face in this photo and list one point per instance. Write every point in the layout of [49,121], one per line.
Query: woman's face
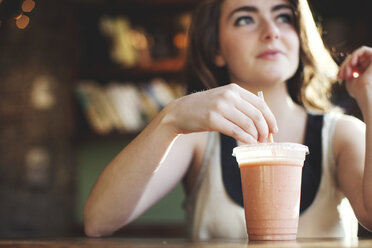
[258,41]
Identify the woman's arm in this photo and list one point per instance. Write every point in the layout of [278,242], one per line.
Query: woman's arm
[118,190]
[353,141]
[155,161]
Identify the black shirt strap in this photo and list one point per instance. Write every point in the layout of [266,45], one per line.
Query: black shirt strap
[230,170]
[311,172]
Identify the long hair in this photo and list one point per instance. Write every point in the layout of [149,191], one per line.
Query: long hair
[310,86]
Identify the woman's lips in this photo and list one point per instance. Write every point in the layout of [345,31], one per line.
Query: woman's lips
[270,54]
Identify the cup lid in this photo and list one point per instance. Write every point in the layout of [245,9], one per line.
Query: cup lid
[276,151]
[275,146]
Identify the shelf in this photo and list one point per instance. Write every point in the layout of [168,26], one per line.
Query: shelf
[156,68]
[139,3]
[92,137]
[160,21]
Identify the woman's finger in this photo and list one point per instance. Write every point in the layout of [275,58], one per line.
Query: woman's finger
[258,119]
[242,121]
[251,120]
[356,63]
[260,105]
[343,68]
[230,129]
[243,114]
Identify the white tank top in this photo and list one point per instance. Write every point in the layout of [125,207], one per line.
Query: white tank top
[211,213]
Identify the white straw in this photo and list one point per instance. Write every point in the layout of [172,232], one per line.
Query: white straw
[260,95]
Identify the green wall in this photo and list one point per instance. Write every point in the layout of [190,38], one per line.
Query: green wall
[93,156]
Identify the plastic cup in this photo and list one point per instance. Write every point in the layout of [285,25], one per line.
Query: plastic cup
[271,176]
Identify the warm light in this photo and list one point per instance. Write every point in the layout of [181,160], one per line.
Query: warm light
[18,16]
[138,40]
[28,5]
[180,40]
[22,22]
[355,74]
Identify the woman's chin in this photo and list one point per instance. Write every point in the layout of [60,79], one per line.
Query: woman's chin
[272,80]
[269,79]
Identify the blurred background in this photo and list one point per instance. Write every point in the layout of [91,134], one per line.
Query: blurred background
[80,78]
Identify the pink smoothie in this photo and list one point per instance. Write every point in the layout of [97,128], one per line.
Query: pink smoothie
[271,184]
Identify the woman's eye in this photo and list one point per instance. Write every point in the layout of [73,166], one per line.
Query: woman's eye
[244,20]
[285,18]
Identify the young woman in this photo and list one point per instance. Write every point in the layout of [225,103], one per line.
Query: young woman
[237,48]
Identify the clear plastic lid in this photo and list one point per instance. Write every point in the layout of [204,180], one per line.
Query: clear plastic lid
[271,153]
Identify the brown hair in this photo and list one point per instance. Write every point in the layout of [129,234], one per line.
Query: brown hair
[310,86]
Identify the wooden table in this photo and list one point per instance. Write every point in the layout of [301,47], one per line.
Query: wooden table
[129,243]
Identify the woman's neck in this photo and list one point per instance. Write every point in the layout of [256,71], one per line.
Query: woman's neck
[290,117]
[278,99]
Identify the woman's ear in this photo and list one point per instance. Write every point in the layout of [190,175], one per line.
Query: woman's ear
[219,61]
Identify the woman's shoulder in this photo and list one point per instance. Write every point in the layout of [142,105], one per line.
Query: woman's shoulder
[339,118]
[345,122]
[349,132]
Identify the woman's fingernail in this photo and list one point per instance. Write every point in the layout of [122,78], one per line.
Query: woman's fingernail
[276,129]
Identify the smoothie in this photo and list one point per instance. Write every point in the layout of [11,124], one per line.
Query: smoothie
[271,183]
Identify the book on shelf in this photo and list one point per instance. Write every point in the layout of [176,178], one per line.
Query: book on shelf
[123,106]
[92,108]
[160,91]
[126,100]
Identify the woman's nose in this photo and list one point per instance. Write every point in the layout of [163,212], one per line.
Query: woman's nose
[270,31]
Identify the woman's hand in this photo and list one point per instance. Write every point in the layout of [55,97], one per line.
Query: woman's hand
[356,70]
[353,140]
[229,109]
